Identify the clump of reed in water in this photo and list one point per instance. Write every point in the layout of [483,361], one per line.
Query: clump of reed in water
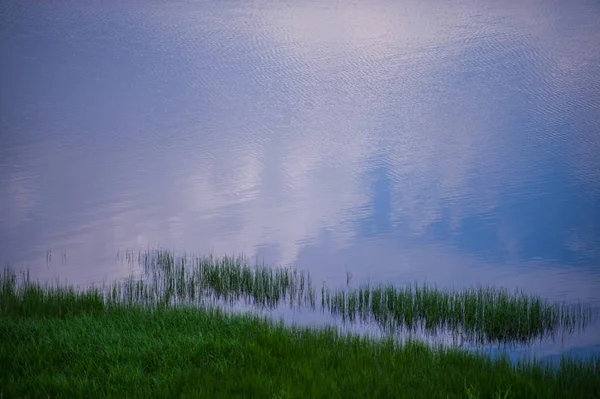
[184,279]
[482,315]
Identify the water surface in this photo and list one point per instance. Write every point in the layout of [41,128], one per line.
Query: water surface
[451,143]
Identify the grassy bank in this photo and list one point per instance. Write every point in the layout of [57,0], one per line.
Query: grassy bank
[57,342]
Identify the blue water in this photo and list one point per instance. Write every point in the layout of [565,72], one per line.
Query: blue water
[453,143]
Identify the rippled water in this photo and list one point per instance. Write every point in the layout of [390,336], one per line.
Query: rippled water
[453,143]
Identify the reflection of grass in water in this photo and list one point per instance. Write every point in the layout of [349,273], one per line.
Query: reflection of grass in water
[58,342]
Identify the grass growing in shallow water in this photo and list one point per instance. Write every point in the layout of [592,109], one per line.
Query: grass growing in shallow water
[59,342]
[476,315]
[191,279]
[480,315]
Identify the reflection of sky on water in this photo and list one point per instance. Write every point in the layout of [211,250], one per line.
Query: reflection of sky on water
[546,225]
[455,145]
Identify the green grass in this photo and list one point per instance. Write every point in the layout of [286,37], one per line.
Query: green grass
[194,279]
[58,342]
[474,315]
[480,315]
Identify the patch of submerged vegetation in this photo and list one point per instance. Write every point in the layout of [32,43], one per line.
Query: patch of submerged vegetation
[56,341]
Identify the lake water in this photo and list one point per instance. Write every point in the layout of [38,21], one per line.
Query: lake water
[451,143]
